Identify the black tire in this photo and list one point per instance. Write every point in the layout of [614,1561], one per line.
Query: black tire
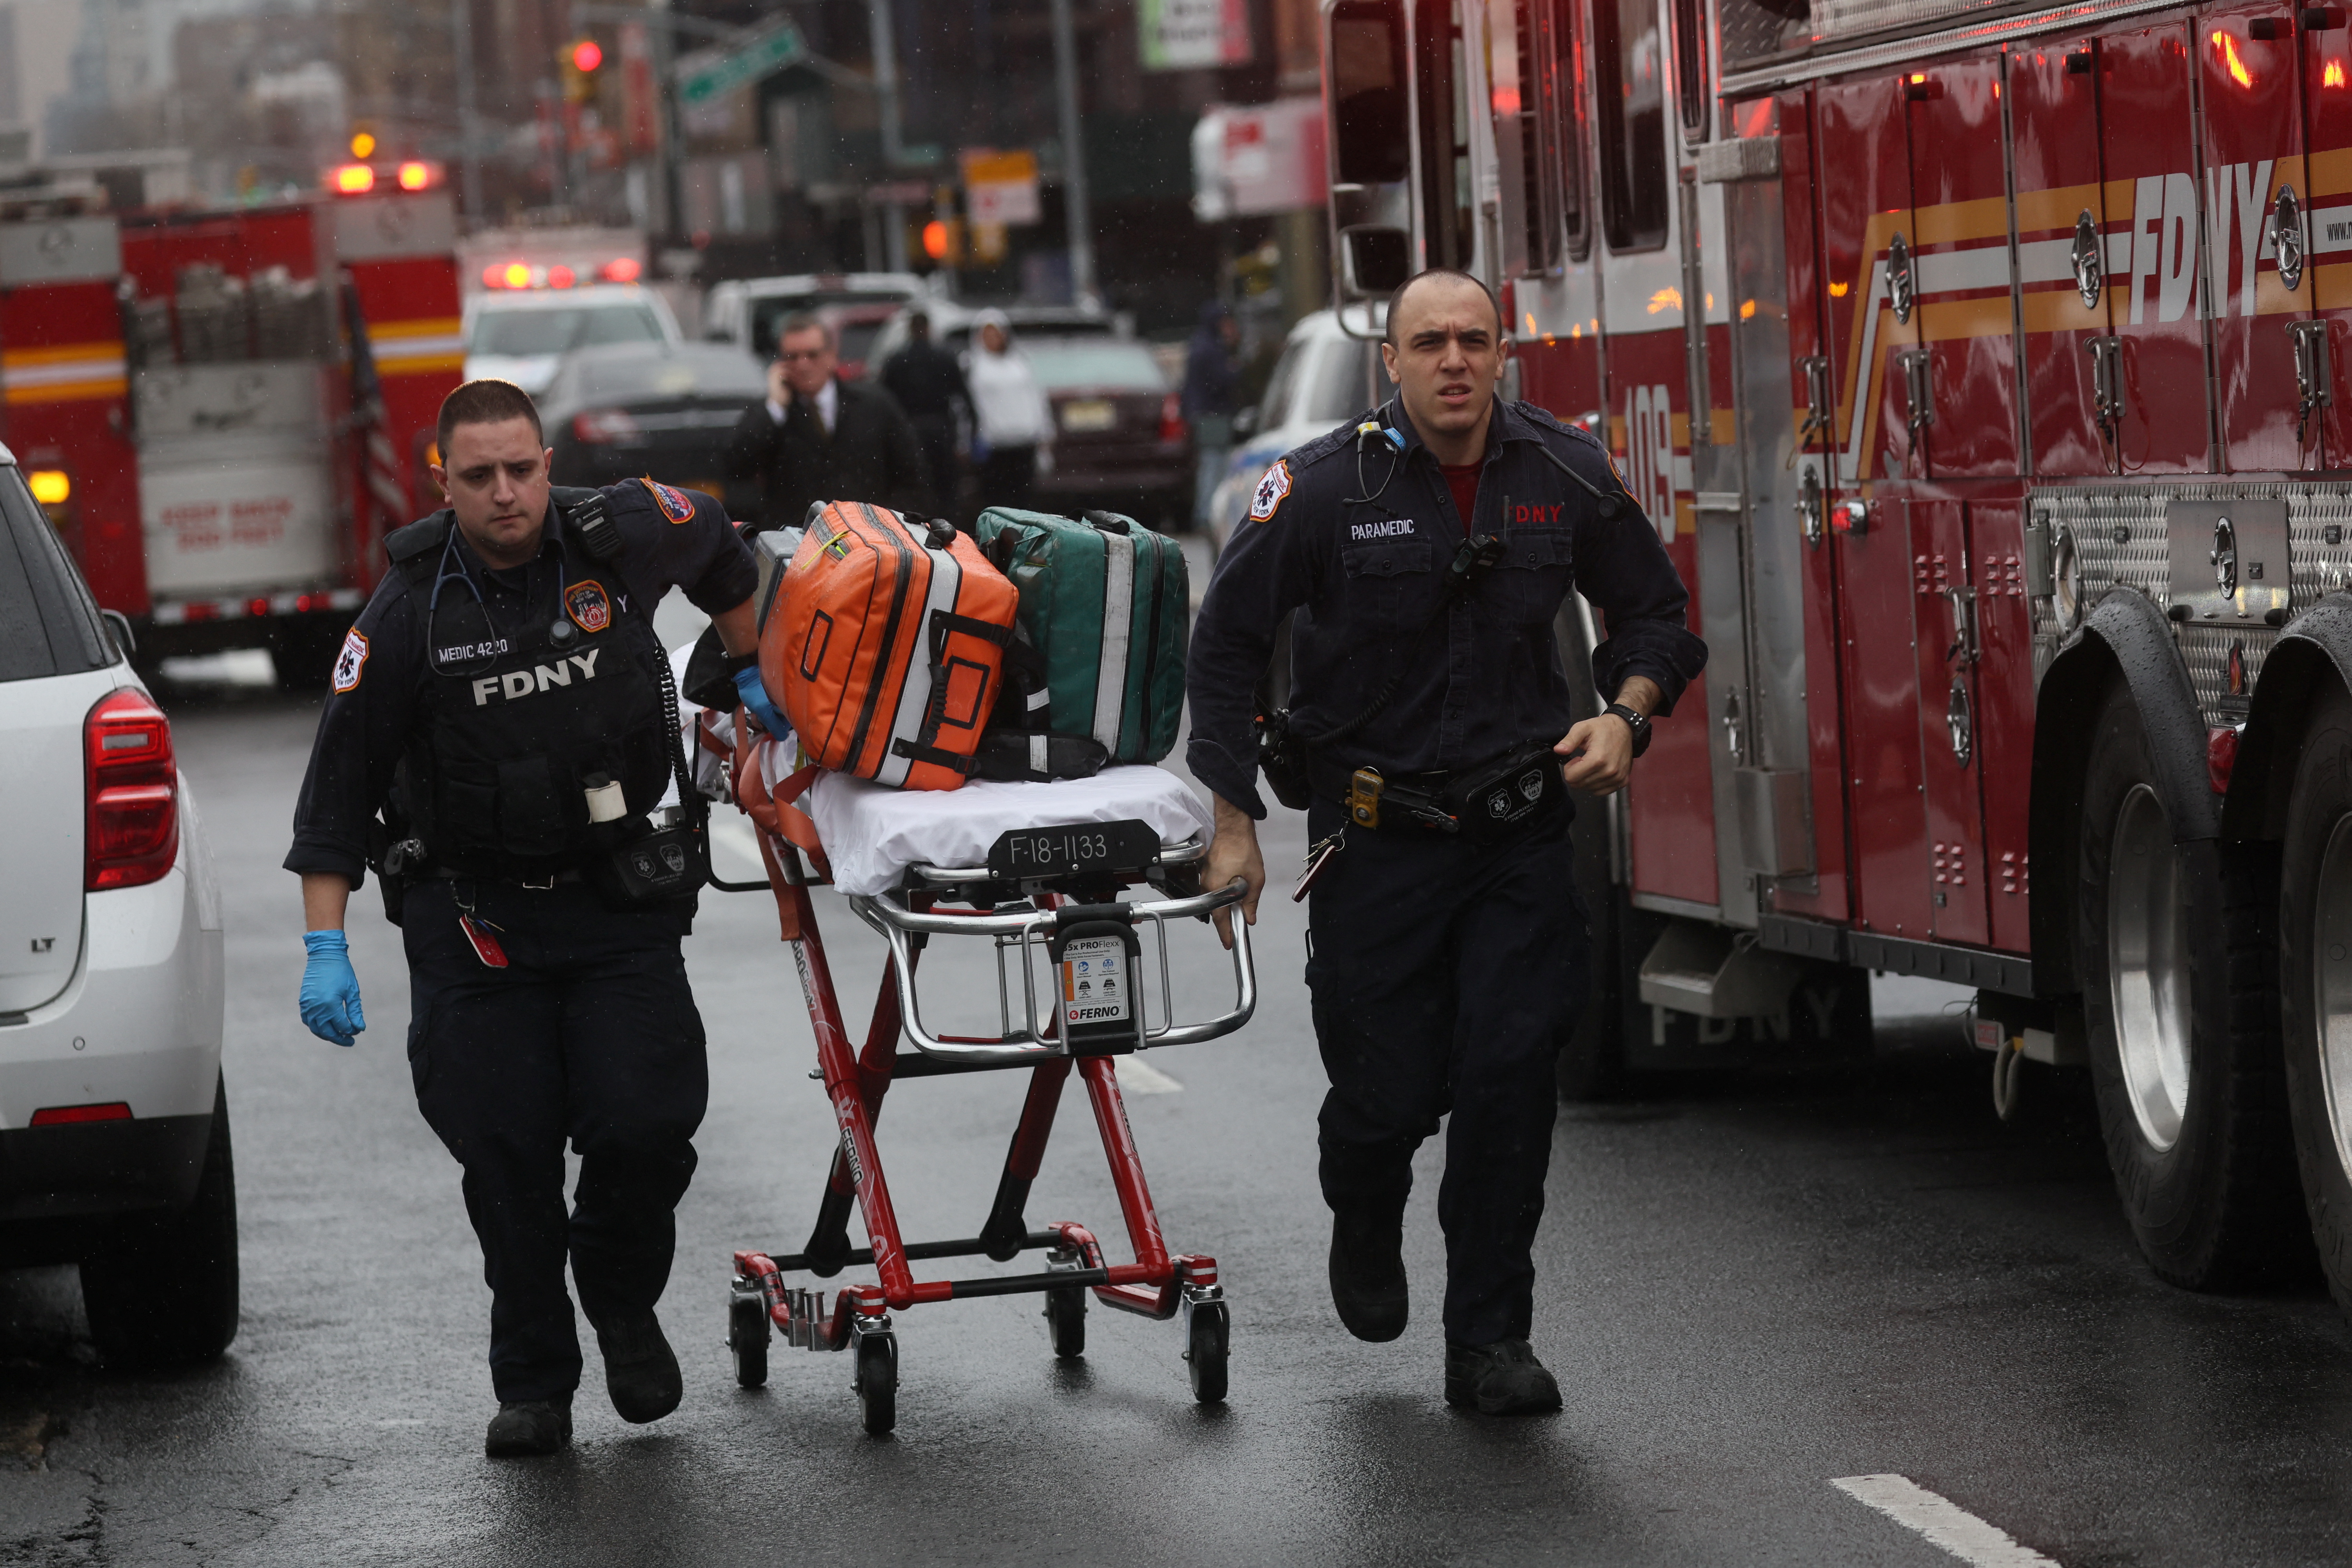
[2188,1085]
[878,1382]
[747,1339]
[1204,1351]
[163,1292]
[1065,1321]
[2309,951]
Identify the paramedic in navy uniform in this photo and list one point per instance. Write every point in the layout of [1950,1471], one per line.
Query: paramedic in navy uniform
[1443,973]
[500,663]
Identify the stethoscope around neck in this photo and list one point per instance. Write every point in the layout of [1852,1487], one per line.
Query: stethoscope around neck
[561,633]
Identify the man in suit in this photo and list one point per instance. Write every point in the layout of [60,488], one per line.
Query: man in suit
[817,438]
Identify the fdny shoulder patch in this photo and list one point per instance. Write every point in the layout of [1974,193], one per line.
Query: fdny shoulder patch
[1270,491]
[351,660]
[586,604]
[674,504]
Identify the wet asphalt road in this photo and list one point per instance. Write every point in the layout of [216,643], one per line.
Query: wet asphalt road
[1749,1285]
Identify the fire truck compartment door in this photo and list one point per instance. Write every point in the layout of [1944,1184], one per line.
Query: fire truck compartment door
[235,482]
[1771,783]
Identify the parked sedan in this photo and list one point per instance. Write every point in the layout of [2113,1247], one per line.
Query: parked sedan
[1119,437]
[660,410]
[114,1142]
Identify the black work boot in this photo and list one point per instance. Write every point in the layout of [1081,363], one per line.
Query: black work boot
[525,1427]
[640,1372]
[1500,1379]
[1368,1276]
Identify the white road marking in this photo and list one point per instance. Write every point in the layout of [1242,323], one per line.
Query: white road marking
[1137,1076]
[1943,1522]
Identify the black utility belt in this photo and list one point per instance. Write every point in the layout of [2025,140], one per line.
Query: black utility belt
[568,877]
[1484,803]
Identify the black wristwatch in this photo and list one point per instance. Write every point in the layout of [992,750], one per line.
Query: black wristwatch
[737,663]
[1637,722]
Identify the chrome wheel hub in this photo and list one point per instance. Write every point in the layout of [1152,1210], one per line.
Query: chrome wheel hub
[2331,978]
[2148,968]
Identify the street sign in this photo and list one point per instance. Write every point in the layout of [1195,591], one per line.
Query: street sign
[702,77]
[1001,187]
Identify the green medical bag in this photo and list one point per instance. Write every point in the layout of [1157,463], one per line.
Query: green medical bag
[1107,605]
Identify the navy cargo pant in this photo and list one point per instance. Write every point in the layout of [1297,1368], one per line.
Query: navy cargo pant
[1444,976]
[588,1033]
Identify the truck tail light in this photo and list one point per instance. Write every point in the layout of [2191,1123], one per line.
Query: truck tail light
[1171,418]
[132,784]
[603,427]
[61,1115]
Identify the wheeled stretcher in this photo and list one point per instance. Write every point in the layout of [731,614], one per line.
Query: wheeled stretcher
[1048,874]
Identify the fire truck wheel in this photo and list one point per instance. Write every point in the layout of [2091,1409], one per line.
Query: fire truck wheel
[163,1292]
[2315,980]
[2178,964]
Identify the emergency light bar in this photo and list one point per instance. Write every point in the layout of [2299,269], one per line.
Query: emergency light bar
[364,179]
[521,274]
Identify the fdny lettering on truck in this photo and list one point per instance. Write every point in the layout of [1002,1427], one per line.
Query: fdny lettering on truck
[516,684]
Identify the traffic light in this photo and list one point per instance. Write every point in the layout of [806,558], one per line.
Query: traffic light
[579,60]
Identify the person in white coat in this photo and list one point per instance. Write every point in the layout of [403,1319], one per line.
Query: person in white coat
[1012,422]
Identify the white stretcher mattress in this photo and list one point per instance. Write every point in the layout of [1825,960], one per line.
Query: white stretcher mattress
[873,833]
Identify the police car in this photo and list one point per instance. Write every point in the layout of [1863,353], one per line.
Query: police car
[1323,378]
[114,1141]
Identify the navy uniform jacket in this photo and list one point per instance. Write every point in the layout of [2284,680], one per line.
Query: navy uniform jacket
[372,711]
[1366,574]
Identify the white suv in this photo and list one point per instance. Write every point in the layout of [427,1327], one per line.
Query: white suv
[114,1144]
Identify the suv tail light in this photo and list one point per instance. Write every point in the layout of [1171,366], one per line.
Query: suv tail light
[133,788]
[65,1115]
[1171,418]
[601,426]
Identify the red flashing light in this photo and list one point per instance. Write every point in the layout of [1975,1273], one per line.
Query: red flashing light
[494,276]
[132,786]
[621,269]
[586,56]
[560,277]
[416,176]
[353,179]
[517,275]
[62,1115]
[1171,418]
[935,240]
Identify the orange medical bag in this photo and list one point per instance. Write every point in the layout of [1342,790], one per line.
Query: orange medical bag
[885,645]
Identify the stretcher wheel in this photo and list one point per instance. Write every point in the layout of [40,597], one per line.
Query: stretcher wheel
[747,1339]
[877,1381]
[1204,1351]
[1065,1321]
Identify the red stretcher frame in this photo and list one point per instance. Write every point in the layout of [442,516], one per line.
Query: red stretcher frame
[1159,1284]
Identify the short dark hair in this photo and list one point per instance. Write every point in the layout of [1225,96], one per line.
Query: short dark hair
[484,403]
[1396,299]
[802,322]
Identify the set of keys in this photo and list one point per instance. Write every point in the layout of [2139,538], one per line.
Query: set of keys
[1318,858]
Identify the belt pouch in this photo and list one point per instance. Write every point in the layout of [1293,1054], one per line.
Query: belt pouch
[1498,799]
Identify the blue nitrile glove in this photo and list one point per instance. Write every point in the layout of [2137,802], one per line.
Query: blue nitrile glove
[331,992]
[755,698]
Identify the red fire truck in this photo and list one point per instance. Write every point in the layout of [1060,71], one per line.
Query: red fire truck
[1986,367]
[223,412]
